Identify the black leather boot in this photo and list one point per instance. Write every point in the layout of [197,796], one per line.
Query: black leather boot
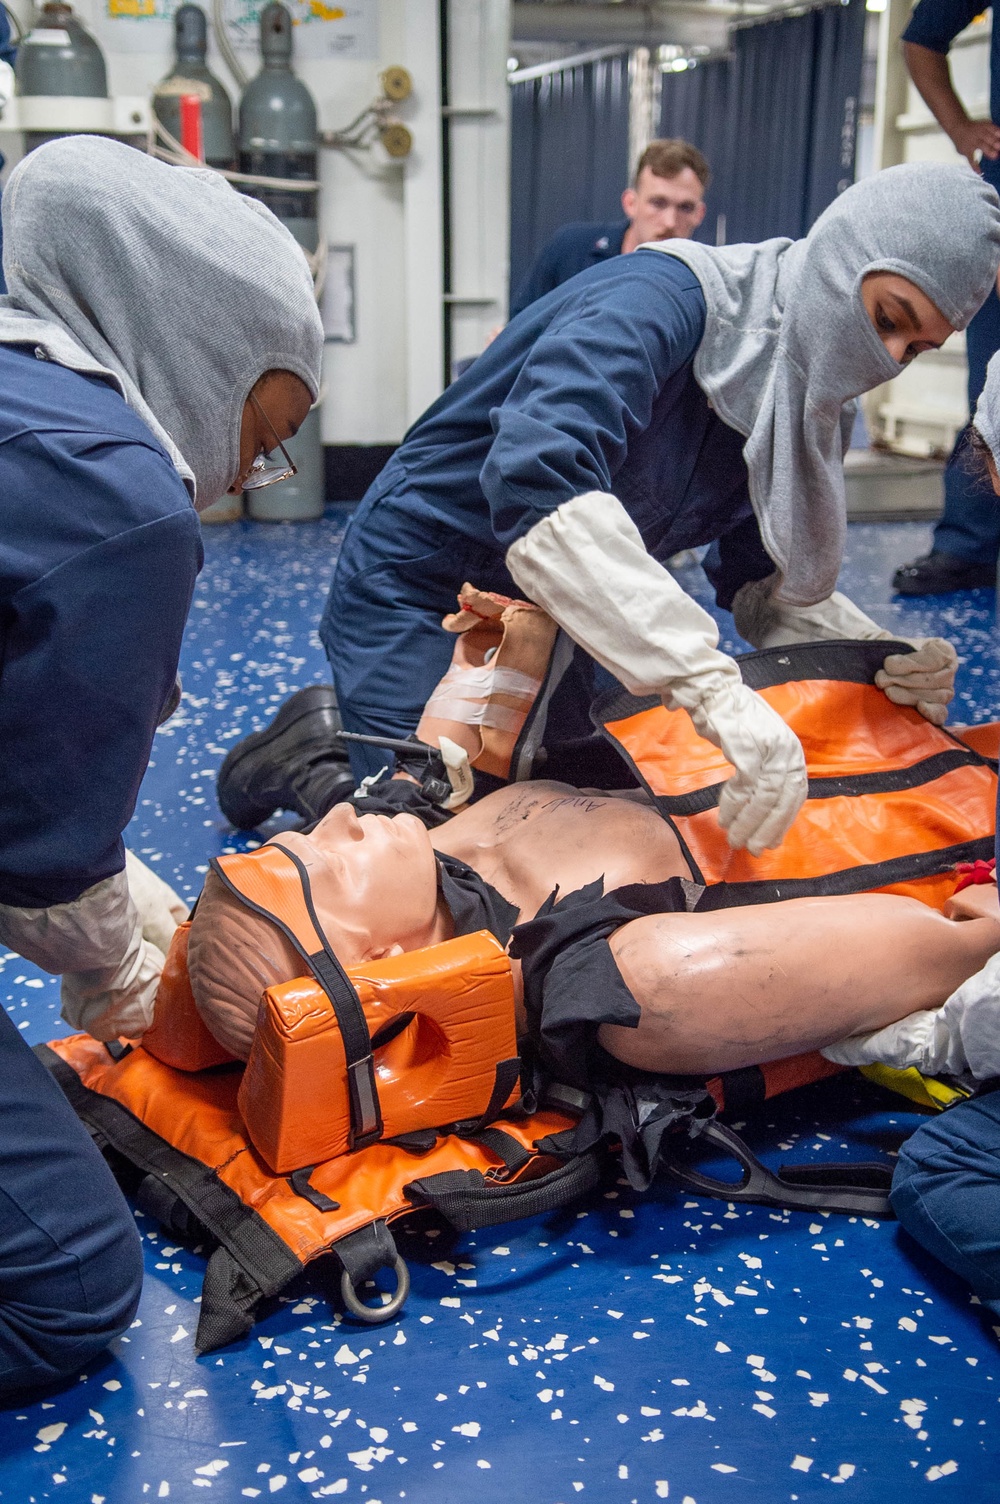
[294,764]
[936,573]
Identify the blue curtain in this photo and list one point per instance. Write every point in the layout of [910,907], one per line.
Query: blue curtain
[777,120]
[696,106]
[569,152]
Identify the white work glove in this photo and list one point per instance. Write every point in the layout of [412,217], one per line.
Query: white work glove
[161,910]
[6,84]
[925,678]
[962,1035]
[109,972]
[587,566]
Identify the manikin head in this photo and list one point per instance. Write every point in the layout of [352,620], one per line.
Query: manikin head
[374,886]
[667,199]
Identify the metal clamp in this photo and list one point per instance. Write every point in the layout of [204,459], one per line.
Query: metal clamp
[376,1314]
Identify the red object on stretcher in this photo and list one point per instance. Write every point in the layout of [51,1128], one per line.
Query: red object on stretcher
[192,137]
[971,873]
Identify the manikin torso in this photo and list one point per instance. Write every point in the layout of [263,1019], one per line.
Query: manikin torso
[527,839]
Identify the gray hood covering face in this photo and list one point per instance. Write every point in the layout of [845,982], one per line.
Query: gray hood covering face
[164,279]
[788,343]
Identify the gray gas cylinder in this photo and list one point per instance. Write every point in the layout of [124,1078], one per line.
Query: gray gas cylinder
[190,75]
[278,138]
[59,57]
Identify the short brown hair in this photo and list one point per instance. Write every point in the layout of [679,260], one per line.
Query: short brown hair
[667,158]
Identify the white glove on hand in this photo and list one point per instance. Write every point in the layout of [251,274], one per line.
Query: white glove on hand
[7,87]
[587,566]
[962,1035]
[769,786]
[161,910]
[110,973]
[925,678]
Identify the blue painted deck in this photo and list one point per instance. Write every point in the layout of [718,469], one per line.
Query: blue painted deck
[637,1349]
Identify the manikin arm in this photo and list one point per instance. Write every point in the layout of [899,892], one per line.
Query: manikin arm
[743,986]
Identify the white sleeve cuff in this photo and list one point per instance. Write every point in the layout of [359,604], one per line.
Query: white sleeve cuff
[587,566]
[768,623]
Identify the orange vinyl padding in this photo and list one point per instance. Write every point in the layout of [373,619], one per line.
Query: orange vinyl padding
[270,880]
[177,1035]
[845,729]
[199,1115]
[983,739]
[440,1069]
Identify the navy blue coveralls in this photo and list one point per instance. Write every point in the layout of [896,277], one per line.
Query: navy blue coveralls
[99,550]
[572,249]
[970,525]
[590,389]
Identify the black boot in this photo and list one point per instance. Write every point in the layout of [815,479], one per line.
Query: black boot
[295,763]
[936,573]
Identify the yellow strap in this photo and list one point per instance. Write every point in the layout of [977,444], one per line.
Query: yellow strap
[928,1091]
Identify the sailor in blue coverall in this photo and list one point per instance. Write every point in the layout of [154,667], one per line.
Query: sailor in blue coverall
[98,555]
[590,389]
[106,441]
[665,200]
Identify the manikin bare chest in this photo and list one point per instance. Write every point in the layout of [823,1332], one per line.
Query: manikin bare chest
[530,838]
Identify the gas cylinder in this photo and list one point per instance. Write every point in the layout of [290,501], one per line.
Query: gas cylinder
[59,57]
[278,128]
[190,75]
[278,139]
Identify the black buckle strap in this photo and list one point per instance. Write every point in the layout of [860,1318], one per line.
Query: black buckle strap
[366,1114]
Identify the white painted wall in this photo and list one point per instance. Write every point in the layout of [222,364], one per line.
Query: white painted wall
[391,212]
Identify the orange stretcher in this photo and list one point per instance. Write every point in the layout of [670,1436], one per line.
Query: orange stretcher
[386,1087]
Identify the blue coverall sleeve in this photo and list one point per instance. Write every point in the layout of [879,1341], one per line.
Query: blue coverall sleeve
[936,23]
[90,654]
[585,391]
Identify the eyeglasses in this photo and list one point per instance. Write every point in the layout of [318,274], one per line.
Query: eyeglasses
[264,472]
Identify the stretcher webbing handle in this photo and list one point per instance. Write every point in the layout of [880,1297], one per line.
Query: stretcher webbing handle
[468,1200]
[854,1189]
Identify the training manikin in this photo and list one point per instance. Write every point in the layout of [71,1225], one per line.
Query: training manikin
[615,966]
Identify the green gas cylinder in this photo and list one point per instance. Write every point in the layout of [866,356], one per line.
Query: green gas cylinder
[190,75]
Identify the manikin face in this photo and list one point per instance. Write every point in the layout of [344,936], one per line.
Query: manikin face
[374,882]
[903,317]
[664,208]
